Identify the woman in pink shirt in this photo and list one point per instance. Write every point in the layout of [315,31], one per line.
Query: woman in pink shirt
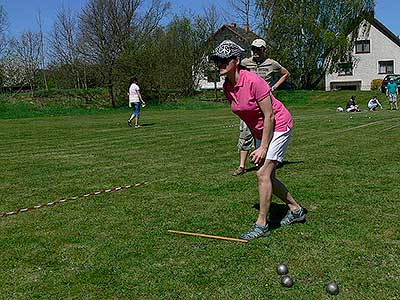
[271,125]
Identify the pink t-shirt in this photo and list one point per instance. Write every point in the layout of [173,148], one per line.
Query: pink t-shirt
[244,98]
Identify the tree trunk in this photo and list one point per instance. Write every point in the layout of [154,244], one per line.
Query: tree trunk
[45,80]
[111,94]
[32,89]
[84,78]
[216,90]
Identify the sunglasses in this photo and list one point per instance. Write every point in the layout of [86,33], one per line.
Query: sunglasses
[223,61]
[253,48]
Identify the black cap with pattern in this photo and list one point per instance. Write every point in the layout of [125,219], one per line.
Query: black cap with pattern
[227,49]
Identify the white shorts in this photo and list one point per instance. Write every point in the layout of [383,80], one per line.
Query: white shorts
[392,98]
[278,146]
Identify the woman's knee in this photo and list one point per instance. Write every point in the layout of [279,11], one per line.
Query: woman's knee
[267,170]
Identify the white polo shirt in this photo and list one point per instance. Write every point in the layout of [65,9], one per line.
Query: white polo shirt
[133,93]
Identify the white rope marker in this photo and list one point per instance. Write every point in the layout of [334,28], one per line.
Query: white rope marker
[60,201]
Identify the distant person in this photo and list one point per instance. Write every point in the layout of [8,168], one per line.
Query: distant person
[271,124]
[373,104]
[351,105]
[244,145]
[274,74]
[135,101]
[391,92]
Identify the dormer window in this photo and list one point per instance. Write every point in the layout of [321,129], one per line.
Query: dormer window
[363,46]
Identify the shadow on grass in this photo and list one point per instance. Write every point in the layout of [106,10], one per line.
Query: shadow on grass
[279,165]
[276,214]
[285,162]
[147,124]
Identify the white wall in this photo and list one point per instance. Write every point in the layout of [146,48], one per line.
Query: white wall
[205,85]
[366,69]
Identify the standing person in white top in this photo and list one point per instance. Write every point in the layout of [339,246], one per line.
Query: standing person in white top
[135,100]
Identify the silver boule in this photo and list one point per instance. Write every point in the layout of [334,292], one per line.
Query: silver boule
[282,269]
[332,288]
[287,281]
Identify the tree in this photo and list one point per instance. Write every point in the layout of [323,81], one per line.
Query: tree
[106,27]
[183,46]
[170,58]
[3,29]
[27,49]
[246,10]
[211,20]
[42,50]
[65,50]
[3,42]
[310,37]
[15,73]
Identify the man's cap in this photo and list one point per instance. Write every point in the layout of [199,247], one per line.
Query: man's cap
[259,43]
[226,49]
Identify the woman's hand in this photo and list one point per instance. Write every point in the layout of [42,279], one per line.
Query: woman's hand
[258,155]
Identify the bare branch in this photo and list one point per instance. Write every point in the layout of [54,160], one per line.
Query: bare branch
[3,29]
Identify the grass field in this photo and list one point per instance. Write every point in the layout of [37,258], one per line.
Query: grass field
[344,168]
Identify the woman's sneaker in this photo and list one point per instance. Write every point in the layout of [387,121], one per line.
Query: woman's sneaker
[255,232]
[294,217]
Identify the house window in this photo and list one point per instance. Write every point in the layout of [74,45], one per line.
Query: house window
[386,67]
[363,46]
[345,69]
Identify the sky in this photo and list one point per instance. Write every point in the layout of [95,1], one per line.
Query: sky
[23,14]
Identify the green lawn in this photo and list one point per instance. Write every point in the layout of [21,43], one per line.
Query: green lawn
[116,245]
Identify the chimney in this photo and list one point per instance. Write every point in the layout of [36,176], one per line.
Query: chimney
[233,25]
[246,28]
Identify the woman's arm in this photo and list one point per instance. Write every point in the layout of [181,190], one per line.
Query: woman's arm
[258,155]
[140,97]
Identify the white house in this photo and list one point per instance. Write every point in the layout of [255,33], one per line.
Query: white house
[375,55]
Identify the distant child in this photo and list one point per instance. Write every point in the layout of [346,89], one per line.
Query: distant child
[373,104]
[351,105]
[135,100]
[392,92]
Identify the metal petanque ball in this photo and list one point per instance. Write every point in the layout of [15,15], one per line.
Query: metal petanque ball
[282,269]
[332,288]
[287,281]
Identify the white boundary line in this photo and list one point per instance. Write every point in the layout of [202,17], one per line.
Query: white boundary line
[387,129]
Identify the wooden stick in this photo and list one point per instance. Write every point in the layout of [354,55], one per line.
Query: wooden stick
[209,236]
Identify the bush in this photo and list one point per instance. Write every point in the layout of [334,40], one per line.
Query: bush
[376,84]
